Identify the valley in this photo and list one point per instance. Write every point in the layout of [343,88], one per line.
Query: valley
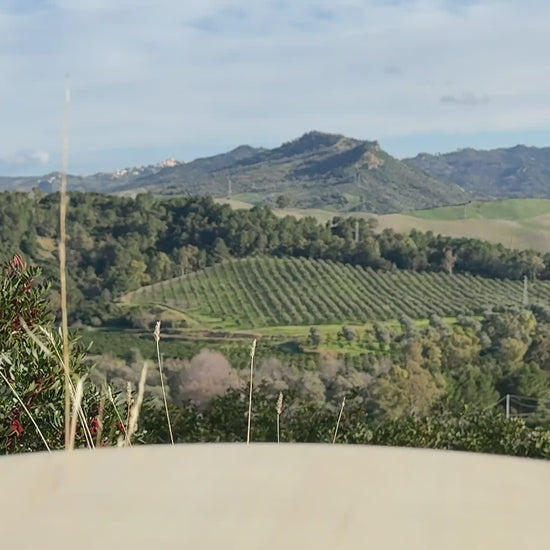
[408,304]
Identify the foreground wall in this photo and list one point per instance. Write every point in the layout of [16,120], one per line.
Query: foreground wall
[273,497]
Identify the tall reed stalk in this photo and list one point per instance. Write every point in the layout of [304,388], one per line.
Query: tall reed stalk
[63,260]
[100,414]
[156,334]
[252,352]
[136,408]
[338,421]
[279,411]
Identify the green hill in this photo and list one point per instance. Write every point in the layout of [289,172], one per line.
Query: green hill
[261,292]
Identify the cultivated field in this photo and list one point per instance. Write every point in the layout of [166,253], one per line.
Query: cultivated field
[262,292]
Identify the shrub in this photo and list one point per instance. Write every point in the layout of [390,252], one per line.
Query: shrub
[31,367]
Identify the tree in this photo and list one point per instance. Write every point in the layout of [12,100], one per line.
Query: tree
[407,326]
[283,201]
[348,333]
[461,348]
[160,267]
[511,350]
[471,385]
[449,261]
[527,380]
[221,250]
[436,321]
[382,334]
[535,265]
[410,390]
[315,338]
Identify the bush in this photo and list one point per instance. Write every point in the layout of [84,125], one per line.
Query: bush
[348,333]
[315,338]
[32,368]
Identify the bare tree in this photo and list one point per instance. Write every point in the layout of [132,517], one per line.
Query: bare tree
[449,261]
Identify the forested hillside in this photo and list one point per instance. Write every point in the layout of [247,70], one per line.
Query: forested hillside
[498,173]
[119,244]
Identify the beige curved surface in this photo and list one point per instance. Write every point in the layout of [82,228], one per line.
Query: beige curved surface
[273,497]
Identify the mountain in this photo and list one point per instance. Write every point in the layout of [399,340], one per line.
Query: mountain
[317,170]
[514,172]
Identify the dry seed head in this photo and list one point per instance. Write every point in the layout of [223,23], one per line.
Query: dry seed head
[156,334]
[280,403]
[253,349]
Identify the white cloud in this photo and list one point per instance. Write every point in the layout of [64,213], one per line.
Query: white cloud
[201,75]
[465,98]
[25,158]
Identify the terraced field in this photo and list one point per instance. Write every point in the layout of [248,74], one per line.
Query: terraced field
[260,292]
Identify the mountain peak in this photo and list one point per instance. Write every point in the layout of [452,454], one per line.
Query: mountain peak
[312,141]
[244,151]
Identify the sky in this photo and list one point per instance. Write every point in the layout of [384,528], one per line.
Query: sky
[152,79]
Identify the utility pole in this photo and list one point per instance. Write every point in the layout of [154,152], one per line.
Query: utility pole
[356,231]
[508,406]
[228,189]
[525,292]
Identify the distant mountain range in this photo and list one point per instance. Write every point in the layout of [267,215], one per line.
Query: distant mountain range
[103,182]
[320,170]
[515,172]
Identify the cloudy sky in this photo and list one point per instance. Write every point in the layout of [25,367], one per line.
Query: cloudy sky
[186,78]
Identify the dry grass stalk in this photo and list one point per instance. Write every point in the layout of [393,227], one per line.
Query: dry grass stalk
[252,353]
[100,414]
[156,334]
[121,422]
[26,410]
[134,413]
[338,422]
[279,411]
[34,338]
[76,407]
[129,403]
[63,260]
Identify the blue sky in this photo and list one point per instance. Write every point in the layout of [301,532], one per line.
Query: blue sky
[157,78]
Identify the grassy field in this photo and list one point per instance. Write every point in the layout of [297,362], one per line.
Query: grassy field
[511,209]
[269,292]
